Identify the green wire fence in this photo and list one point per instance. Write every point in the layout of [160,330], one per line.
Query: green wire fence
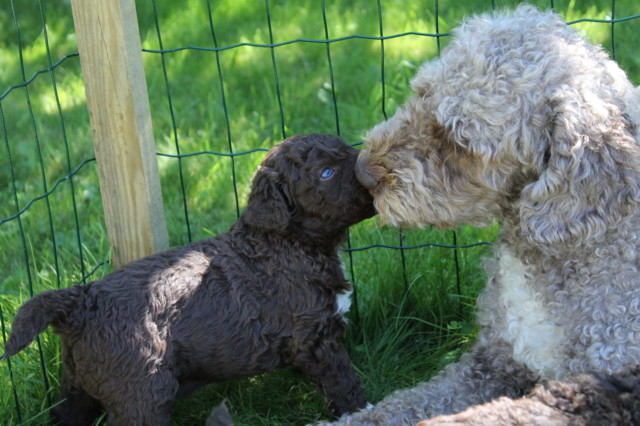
[51,225]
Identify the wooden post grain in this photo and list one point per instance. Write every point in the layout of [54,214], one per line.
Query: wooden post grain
[118,103]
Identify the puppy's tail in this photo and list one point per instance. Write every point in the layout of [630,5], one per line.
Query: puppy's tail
[37,313]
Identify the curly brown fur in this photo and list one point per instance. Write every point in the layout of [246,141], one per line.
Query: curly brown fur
[586,399]
[521,120]
[267,294]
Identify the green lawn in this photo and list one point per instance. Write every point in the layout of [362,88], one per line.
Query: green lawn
[411,318]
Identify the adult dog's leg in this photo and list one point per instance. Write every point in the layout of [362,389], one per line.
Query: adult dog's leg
[480,375]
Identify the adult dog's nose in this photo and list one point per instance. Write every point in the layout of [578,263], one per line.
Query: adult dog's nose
[365,177]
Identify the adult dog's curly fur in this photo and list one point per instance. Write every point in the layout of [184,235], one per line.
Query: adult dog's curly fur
[268,293]
[586,399]
[522,120]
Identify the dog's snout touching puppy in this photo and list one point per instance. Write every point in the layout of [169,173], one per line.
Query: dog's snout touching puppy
[495,119]
[366,177]
[267,294]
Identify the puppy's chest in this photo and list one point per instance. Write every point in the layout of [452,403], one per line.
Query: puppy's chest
[529,324]
[343,302]
[320,288]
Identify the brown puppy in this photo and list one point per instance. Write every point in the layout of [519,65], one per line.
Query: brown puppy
[267,294]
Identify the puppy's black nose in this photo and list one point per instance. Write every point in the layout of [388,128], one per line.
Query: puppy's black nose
[365,177]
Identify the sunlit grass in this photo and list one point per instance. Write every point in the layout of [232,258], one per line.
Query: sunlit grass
[408,321]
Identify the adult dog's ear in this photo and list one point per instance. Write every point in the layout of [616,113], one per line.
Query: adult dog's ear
[591,175]
[270,205]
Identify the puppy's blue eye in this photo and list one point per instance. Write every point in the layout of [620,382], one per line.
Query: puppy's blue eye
[326,173]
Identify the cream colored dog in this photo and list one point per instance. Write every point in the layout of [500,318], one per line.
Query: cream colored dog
[522,120]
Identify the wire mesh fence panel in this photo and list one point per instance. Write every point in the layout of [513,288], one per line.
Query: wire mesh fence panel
[227,80]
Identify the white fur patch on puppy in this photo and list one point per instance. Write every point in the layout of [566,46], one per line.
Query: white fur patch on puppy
[343,302]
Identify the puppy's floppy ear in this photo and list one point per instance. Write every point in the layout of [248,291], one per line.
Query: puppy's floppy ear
[270,205]
[591,175]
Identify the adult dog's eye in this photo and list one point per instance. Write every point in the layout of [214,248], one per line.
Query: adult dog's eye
[326,173]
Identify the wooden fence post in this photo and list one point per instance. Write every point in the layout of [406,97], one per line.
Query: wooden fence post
[118,103]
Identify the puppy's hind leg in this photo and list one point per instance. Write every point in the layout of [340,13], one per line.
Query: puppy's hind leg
[145,399]
[77,408]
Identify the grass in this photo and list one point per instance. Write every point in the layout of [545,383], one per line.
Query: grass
[409,320]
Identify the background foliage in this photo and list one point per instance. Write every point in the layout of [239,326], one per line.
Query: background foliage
[266,81]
